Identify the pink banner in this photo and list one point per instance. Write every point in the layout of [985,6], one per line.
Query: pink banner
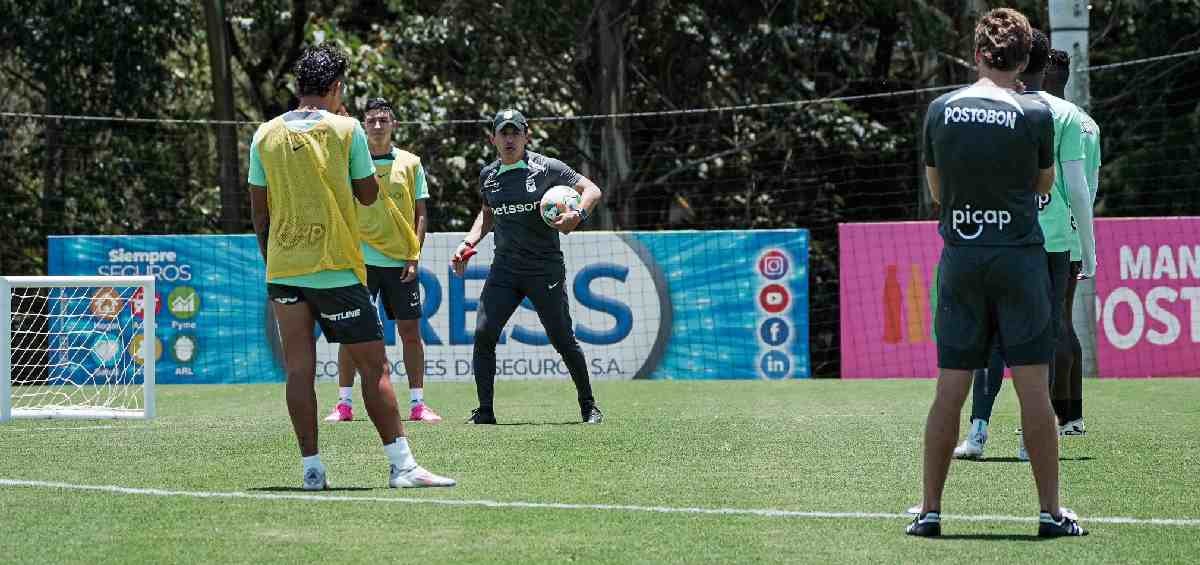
[1147,298]
[886,273]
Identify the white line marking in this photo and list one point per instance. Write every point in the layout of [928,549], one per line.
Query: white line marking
[70,428]
[771,513]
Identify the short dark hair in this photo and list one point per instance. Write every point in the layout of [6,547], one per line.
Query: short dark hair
[1059,62]
[380,104]
[1002,38]
[318,68]
[1039,53]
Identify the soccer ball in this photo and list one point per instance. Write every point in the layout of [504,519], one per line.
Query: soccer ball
[557,201]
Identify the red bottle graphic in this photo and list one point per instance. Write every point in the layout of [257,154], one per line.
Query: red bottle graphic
[892,304]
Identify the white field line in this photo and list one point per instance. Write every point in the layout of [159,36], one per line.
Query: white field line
[770,513]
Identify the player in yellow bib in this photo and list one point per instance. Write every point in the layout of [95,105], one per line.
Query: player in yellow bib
[393,232]
[307,168]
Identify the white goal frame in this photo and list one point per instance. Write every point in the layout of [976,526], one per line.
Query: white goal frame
[7,284]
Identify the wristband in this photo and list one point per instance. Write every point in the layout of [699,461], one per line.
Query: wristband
[468,244]
[583,214]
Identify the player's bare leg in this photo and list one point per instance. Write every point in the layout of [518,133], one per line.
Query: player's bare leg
[941,432]
[414,365]
[300,365]
[343,411]
[1040,430]
[380,401]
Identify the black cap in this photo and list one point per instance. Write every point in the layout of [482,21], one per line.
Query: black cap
[506,117]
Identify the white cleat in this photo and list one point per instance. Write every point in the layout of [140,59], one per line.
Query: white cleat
[972,447]
[314,479]
[417,477]
[1072,428]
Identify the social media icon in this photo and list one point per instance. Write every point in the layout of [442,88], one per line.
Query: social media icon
[774,331]
[774,298]
[773,264]
[775,365]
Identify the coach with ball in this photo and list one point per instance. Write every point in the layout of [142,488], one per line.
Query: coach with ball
[525,203]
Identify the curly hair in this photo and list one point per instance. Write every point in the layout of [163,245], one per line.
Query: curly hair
[1002,38]
[1060,62]
[318,68]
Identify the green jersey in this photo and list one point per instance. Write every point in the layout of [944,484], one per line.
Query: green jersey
[1054,209]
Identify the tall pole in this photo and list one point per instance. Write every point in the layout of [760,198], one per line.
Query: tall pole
[233,208]
[1069,32]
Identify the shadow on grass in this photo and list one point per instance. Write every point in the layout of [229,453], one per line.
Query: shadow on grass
[573,423]
[298,489]
[1015,460]
[992,537]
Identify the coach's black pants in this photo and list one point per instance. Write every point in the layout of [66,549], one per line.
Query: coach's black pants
[502,294]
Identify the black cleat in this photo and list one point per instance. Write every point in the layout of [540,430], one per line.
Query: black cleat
[1067,525]
[927,525]
[482,416]
[592,415]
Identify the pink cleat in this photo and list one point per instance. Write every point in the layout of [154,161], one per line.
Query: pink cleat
[422,413]
[341,413]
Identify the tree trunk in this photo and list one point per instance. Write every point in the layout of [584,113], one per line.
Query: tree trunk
[606,75]
[233,205]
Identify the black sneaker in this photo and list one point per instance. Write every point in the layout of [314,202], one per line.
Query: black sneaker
[1066,525]
[926,525]
[482,416]
[591,414]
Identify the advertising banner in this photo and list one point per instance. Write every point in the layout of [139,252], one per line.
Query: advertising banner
[651,305]
[1147,298]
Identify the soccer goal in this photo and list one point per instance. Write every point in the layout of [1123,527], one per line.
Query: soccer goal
[77,347]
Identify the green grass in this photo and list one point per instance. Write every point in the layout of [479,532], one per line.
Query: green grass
[809,446]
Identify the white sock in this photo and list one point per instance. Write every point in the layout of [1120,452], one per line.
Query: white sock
[346,394]
[312,462]
[416,395]
[399,454]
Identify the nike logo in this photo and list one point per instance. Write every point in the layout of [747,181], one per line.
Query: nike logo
[299,147]
[554,285]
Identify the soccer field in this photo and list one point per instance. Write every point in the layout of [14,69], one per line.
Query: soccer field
[816,471]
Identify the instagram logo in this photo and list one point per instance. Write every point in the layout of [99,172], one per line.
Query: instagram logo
[773,264]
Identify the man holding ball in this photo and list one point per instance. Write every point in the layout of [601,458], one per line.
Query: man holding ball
[528,261]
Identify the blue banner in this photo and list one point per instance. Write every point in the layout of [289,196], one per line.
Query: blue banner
[657,305]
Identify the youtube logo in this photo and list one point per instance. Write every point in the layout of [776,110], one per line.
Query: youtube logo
[774,298]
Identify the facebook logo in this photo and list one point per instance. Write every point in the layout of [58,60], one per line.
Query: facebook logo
[775,365]
[774,331]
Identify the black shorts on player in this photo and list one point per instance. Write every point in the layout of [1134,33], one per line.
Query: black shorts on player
[345,313]
[1000,293]
[401,300]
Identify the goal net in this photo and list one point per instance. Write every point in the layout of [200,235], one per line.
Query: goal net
[77,347]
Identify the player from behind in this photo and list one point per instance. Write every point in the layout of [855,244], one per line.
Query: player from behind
[1069,397]
[307,168]
[393,232]
[988,154]
[528,262]
[1065,215]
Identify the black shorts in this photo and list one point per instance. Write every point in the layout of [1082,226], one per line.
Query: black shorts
[401,300]
[345,313]
[1000,293]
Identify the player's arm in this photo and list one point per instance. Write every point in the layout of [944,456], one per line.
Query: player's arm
[935,184]
[479,230]
[589,193]
[362,168]
[261,215]
[420,220]
[260,211]
[1045,178]
[1081,209]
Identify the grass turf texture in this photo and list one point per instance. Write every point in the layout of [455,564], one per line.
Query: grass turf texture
[807,446]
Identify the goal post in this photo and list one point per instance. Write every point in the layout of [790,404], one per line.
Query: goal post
[77,347]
